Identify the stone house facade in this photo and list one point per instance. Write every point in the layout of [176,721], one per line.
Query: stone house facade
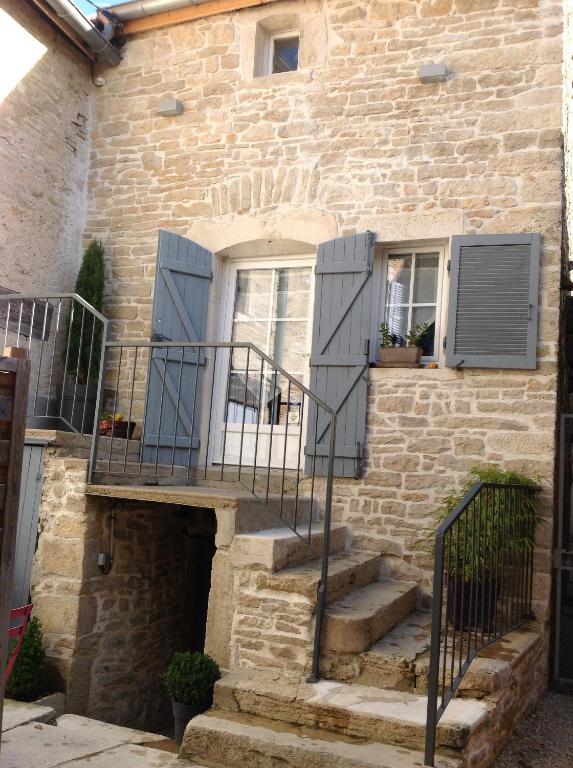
[261,168]
[353,141]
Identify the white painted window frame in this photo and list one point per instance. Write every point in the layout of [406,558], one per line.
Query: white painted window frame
[231,267]
[270,53]
[380,275]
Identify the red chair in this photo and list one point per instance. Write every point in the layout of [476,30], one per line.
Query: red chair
[19,618]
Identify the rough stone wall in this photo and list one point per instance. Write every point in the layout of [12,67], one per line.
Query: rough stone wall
[568,112]
[44,153]
[68,542]
[108,637]
[271,629]
[353,142]
[139,610]
[426,428]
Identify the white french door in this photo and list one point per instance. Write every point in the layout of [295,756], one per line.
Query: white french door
[269,303]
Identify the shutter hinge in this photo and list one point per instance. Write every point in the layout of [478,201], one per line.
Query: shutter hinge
[445,342]
[371,238]
[449,265]
[367,348]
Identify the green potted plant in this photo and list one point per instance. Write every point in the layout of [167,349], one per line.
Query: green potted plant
[83,352]
[392,355]
[27,679]
[190,679]
[471,581]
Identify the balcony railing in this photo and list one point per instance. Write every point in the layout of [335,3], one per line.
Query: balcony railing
[483,577]
[63,336]
[212,414]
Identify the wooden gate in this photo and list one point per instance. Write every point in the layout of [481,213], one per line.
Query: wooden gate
[14,380]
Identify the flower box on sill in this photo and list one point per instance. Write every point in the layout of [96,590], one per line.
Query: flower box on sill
[400,357]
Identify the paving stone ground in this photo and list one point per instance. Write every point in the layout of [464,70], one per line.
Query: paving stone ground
[78,742]
[545,739]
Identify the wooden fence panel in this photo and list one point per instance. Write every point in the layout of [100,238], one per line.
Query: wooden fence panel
[14,380]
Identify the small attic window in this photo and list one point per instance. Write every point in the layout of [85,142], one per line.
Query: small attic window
[277,44]
[283,53]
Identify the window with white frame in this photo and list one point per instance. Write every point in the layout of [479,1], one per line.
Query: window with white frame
[411,294]
[277,43]
[283,52]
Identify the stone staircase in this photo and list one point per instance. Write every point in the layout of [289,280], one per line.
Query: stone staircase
[370,707]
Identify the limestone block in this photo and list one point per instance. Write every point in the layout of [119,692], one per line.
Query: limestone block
[220,610]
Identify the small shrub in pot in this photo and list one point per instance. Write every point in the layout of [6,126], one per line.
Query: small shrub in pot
[27,680]
[478,536]
[189,680]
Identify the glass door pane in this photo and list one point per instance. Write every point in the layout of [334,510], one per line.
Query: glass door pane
[271,310]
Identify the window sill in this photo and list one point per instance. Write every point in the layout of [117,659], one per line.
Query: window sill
[297,76]
[436,374]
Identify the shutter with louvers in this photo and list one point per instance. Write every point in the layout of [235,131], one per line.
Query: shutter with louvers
[339,357]
[492,313]
[180,305]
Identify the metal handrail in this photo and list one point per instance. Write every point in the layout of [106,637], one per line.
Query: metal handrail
[485,545]
[42,329]
[160,381]
[46,296]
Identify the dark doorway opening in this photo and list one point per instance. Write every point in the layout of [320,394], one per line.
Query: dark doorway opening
[199,530]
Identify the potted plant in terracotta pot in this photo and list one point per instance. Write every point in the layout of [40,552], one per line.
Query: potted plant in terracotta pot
[392,355]
[190,679]
[116,426]
[472,582]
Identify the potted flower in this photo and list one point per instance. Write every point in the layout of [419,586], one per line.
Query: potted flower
[190,679]
[392,355]
[116,426]
[471,582]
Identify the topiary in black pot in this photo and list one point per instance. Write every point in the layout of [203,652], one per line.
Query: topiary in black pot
[189,680]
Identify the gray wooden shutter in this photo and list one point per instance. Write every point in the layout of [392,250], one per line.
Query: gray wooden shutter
[493,304]
[180,305]
[339,356]
[27,530]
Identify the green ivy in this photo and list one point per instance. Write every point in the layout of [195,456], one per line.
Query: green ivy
[27,679]
[190,679]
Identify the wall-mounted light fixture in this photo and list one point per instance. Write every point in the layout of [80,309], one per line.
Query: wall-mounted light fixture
[433,73]
[170,108]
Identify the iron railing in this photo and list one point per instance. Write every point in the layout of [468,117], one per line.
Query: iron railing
[218,414]
[483,576]
[63,336]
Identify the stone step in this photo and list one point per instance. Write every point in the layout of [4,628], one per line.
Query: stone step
[359,711]
[277,548]
[18,713]
[220,740]
[400,661]
[361,618]
[348,570]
